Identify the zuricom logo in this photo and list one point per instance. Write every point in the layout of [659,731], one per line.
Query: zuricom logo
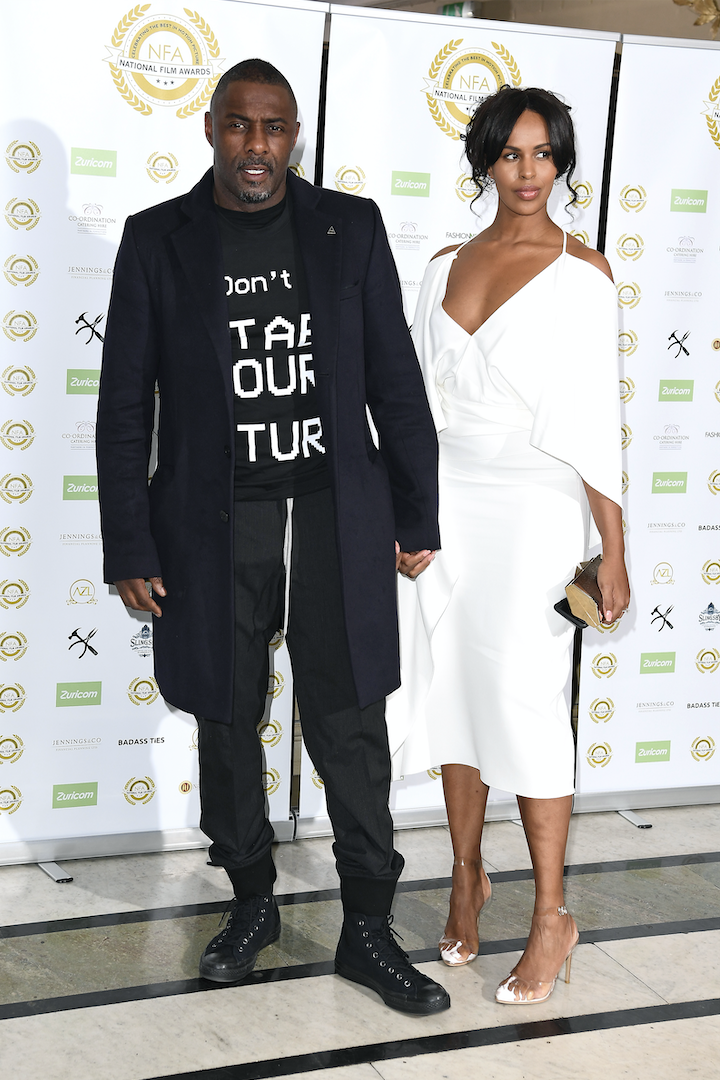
[82,381]
[668,483]
[78,693]
[652,751]
[80,487]
[411,183]
[657,663]
[676,390]
[65,795]
[93,162]
[688,201]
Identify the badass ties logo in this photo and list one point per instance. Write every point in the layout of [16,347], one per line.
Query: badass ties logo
[87,162]
[10,799]
[669,483]
[67,795]
[13,645]
[702,748]
[633,198]
[599,755]
[657,663]
[83,381]
[16,489]
[350,178]
[21,270]
[679,343]
[604,665]
[80,487]
[142,642]
[688,201]
[164,61]
[23,157]
[17,434]
[68,695]
[15,540]
[709,619]
[459,81]
[601,710]
[82,591]
[162,167]
[11,749]
[652,751]
[676,389]
[629,294]
[20,325]
[22,214]
[76,639]
[707,661]
[711,572]
[13,594]
[18,381]
[661,617]
[91,327]
[143,691]
[630,246]
[12,697]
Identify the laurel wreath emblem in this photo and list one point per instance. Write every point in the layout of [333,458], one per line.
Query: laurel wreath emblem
[214,51]
[117,76]
[712,124]
[444,54]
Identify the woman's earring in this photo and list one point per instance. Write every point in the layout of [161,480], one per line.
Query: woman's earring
[557,180]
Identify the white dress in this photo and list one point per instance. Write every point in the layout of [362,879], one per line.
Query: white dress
[524,407]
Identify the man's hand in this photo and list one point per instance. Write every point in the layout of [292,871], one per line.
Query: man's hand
[412,563]
[134,593]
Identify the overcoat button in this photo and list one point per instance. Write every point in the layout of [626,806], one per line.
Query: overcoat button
[227,451]
[224,516]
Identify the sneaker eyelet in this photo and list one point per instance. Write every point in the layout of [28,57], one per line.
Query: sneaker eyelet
[375,955]
[365,933]
[391,970]
[382,963]
[398,976]
[408,984]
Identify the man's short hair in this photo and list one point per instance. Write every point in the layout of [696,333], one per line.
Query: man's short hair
[256,71]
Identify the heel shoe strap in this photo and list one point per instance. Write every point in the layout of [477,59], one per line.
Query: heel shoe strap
[460,861]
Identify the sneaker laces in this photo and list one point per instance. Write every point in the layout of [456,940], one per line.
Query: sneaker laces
[238,917]
[389,951]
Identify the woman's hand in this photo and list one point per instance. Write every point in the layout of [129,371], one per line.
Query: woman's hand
[412,563]
[614,586]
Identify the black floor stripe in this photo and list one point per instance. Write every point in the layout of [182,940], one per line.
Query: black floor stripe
[14,1009]
[217,907]
[458,1040]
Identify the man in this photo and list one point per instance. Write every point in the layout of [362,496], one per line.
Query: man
[268,311]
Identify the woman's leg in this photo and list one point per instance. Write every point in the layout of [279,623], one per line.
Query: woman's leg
[465,798]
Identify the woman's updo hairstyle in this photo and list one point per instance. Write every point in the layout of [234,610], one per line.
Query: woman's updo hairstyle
[489,130]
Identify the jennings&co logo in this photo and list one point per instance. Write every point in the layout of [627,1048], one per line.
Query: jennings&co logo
[163,60]
[13,594]
[15,489]
[350,178]
[22,214]
[688,201]
[630,246]
[80,487]
[18,381]
[676,389]
[460,81]
[601,710]
[17,434]
[629,294]
[23,157]
[86,162]
[65,795]
[139,790]
[143,691]
[20,325]
[21,270]
[11,749]
[633,198]
[162,168]
[410,183]
[707,661]
[669,483]
[657,663]
[709,619]
[652,751]
[604,665]
[702,748]
[82,381]
[12,697]
[78,693]
[15,540]
[10,799]
[599,755]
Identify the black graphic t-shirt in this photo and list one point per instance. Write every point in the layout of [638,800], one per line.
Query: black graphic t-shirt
[279,450]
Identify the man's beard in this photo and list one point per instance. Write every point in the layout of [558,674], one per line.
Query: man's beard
[248,195]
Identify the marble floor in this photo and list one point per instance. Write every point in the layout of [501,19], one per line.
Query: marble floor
[98,977]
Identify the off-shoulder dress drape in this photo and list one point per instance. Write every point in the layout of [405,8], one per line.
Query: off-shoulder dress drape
[526,408]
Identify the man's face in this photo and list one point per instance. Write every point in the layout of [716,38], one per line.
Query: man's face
[252,129]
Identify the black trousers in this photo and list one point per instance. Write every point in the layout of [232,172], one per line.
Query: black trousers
[348,745]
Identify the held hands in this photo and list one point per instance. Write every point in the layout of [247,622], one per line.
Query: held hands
[134,593]
[412,563]
[614,586]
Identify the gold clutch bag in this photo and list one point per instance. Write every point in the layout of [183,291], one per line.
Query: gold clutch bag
[583,593]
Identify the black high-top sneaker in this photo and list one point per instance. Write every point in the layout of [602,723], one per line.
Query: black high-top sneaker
[369,954]
[251,925]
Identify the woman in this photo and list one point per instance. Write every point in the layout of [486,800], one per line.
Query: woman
[517,336]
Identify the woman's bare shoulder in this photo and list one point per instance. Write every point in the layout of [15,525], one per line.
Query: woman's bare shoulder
[587,254]
[445,251]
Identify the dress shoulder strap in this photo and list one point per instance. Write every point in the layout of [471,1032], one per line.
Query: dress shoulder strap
[565,236]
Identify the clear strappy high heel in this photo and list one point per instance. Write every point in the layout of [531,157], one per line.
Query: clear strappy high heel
[454,951]
[514,990]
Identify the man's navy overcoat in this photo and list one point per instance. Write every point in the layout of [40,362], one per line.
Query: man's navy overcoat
[168,323]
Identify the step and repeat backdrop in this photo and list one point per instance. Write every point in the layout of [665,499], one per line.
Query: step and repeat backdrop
[88,748]
[649,713]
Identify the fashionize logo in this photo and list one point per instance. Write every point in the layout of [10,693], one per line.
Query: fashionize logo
[164,60]
[460,80]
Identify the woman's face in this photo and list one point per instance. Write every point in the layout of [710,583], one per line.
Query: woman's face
[524,172]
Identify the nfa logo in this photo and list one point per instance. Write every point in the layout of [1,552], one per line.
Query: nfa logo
[65,795]
[20,325]
[142,642]
[604,665]
[297,168]
[712,106]
[714,481]
[702,748]
[688,201]
[80,487]
[601,710]
[709,618]
[465,188]
[13,594]
[625,482]
[17,434]
[271,781]
[143,691]
[86,162]
[633,198]
[276,683]
[11,749]
[270,732]
[21,270]
[676,389]
[23,157]
[163,60]
[350,178]
[626,436]
[139,790]
[629,294]
[585,193]
[15,489]
[679,343]
[581,235]
[317,779]
[652,751]
[707,661]
[630,246]
[12,697]
[162,168]
[82,381]
[410,183]
[598,755]
[460,81]
[22,214]
[10,799]
[669,483]
[13,646]
[657,663]
[70,694]
[717,391]
[82,591]
[663,574]
[627,389]
[15,540]
[194,740]
[18,381]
